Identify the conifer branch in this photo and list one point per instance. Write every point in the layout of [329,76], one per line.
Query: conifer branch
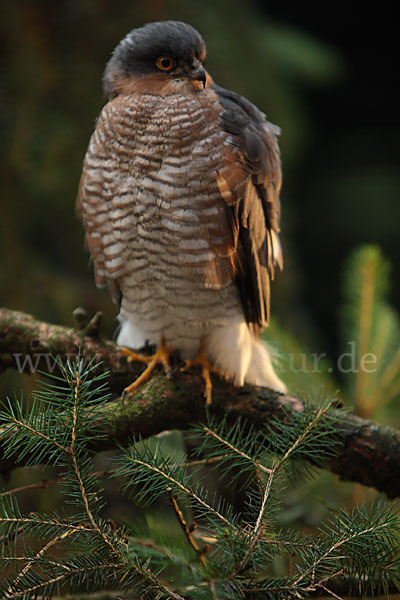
[239,550]
[185,528]
[77,471]
[233,451]
[39,521]
[171,480]
[59,579]
[34,432]
[31,561]
[338,588]
[366,453]
[45,483]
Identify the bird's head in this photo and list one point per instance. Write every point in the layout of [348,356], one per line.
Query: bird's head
[161,58]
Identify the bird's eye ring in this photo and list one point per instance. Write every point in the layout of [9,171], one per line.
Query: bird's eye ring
[165,63]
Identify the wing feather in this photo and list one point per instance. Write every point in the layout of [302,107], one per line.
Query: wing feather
[250,186]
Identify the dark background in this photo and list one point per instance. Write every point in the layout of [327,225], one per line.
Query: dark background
[346,184]
[326,74]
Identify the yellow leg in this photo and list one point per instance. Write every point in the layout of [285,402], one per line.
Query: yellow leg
[134,357]
[160,357]
[202,361]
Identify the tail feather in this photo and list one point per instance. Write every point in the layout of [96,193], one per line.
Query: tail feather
[242,356]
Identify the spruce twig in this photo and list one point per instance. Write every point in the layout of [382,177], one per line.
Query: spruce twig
[238,552]
[46,483]
[92,561]
[185,528]
[77,471]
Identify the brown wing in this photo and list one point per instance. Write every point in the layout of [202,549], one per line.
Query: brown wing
[250,186]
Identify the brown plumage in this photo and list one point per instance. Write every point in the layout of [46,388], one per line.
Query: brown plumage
[180,199]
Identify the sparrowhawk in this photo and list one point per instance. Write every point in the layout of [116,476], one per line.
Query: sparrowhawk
[179,197]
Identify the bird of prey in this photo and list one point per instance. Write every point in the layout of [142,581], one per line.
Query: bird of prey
[179,197]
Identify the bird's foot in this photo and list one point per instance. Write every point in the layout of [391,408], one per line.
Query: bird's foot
[161,356]
[206,369]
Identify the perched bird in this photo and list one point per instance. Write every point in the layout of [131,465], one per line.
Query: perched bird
[179,197]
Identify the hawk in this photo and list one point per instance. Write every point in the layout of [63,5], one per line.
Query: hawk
[179,197]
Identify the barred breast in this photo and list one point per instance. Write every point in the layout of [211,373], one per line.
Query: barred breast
[155,219]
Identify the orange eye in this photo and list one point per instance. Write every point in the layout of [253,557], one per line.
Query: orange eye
[165,63]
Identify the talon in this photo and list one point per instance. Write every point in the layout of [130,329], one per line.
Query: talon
[205,372]
[161,355]
[134,356]
[202,361]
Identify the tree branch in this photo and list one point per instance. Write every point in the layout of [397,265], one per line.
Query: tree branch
[366,452]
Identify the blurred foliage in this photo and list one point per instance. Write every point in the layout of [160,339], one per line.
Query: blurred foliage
[364,374]
[366,370]
[373,327]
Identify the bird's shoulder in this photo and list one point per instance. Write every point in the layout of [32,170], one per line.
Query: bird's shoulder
[242,119]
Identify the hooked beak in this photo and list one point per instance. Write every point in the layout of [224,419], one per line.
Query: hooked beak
[199,74]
